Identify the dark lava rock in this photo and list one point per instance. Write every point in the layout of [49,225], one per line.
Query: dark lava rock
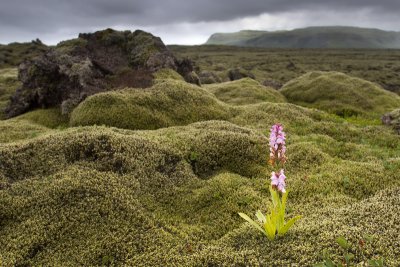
[186,69]
[291,66]
[93,63]
[239,73]
[392,119]
[274,84]
[209,77]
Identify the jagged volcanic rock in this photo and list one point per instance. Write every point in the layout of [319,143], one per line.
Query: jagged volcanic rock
[90,64]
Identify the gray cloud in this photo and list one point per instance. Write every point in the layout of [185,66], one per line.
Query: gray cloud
[53,20]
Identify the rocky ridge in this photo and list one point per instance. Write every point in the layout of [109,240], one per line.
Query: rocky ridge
[92,63]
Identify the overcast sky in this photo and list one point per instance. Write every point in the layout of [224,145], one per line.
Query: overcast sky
[185,21]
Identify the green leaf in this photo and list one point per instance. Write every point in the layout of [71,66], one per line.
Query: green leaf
[287,226]
[284,199]
[274,196]
[270,227]
[373,263]
[253,223]
[282,211]
[319,265]
[376,263]
[261,217]
[343,242]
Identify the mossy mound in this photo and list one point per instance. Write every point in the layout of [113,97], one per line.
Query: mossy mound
[108,196]
[165,74]
[313,234]
[93,194]
[167,103]
[51,118]
[8,85]
[96,196]
[340,94]
[15,130]
[105,148]
[245,91]
[295,118]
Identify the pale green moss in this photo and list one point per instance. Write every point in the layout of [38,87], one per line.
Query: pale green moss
[70,45]
[164,74]
[8,85]
[167,103]
[51,118]
[15,130]
[96,196]
[245,91]
[340,94]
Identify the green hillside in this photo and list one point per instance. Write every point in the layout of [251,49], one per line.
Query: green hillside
[312,37]
[233,38]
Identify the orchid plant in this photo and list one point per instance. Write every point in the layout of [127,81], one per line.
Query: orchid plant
[274,223]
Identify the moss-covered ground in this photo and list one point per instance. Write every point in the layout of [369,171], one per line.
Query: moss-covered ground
[340,94]
[156,177]
[244,91]
[379,66]
[8,84]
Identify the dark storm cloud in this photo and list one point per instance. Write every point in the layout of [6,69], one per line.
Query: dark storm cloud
[30,17]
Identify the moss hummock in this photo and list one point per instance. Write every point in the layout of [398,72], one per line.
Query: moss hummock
[340,94]
[168,192]
[8,85]
[167,103]
[245,91]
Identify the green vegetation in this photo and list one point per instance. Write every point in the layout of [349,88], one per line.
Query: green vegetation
[235,38]
[50,118]
[70,45]
[16,130]
[167,103]
[359,249]
[340,94]
[97,194]
[282,65]
[393,118]
[165,74]
[312,37]
[8,84]
[13,54]
[166,190]
[244,91]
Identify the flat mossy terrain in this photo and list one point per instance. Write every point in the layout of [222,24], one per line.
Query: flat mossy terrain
[245,91]
[340,94]
[282,65]
[157,176]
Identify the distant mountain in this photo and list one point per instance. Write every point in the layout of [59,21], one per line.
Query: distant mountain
[311,37]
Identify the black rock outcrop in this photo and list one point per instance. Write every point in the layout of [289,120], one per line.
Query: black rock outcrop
[239,73]
[93,63]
